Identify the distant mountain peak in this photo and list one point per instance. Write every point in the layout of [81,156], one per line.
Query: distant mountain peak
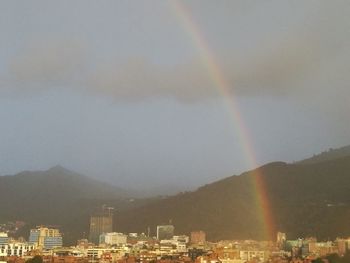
[59,169]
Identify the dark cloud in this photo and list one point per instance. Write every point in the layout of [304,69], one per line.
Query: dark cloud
[277,66]
[64,64]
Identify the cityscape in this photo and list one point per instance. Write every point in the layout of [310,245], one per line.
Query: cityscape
[175,131]
[45,244]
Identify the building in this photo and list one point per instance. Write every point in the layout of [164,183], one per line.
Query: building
[45,237]
[83,244]
[342,246]
[113,238]
[15,248]
[178,244]
[181,243]
[183,239]
[248,255]
[101,223]
[4,239]
[198,237]
[281,239]
[165,232]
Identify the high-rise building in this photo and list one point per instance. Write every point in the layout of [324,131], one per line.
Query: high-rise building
[45,237]
[165,232]
[100,223]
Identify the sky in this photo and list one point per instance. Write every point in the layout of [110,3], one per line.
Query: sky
[131,92]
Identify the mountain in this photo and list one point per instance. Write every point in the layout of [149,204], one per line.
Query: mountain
[306,198]
[310,197]
[331,154]
[57,197]
[57,182]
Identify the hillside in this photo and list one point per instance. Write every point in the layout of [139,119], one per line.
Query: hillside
[57,182]
[331,154]
[57,197]
[305,199]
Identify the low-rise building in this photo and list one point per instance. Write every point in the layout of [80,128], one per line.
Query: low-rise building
[248,255]
[18,249]
[4,239]
[113,238]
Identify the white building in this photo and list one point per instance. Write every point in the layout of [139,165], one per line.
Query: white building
[96,253]
[167,247]
[16,249]
[4,239]
[183,239]
[178,244]
[113,238]
[248,255]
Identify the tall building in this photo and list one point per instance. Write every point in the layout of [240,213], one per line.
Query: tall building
[165,232]
[45,237]
[100,223]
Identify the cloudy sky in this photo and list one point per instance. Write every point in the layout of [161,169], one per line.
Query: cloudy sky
[125,91]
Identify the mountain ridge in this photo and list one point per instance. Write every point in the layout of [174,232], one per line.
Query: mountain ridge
[330,154]
[316,192]
[225,209]
[59,176]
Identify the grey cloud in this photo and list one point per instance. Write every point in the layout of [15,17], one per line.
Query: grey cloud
[276,71]
[46,63]
[139,78]
[277,67]
[273,71]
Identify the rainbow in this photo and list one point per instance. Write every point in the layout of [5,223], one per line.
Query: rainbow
[219,81]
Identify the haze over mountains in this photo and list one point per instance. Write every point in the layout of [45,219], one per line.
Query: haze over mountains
[54,182]
[57,197]
[310,197]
